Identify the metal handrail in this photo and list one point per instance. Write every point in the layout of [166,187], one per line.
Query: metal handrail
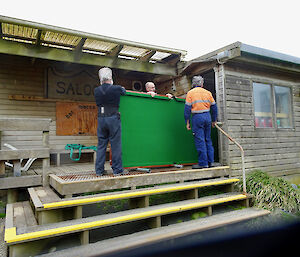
[242,154]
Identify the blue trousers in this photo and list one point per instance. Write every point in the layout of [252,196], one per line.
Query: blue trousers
[109,129]
[201,126]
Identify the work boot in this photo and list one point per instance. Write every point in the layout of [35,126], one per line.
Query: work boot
[124,172]
[211,165]
[104,173]
[196,166]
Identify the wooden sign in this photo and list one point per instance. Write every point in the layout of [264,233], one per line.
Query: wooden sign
[78,85]
[76,119]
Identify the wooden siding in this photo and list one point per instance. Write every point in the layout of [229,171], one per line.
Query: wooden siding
[272,150]
[182,86]
[26,76]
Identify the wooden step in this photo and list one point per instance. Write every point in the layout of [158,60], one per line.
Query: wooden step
[159,235]
[49,208]
[45,198]
[87,182]
[16,235]
[19,214]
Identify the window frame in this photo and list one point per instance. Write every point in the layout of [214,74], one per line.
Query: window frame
[273,105]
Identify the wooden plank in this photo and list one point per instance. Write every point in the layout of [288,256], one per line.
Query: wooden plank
[76,119]
[29,215]
[265,157]
[66,188]
[41,99]
[47,195]
[19,216]
[24,154]
[159,235]
[128,216]
[137,195]
[32,124]
[9,222]
[2,169]
[18,182]
[34,197]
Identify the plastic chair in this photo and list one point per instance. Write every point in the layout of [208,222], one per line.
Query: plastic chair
[27,164]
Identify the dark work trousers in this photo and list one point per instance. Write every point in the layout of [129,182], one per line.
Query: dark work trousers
[201,125]
[109,129]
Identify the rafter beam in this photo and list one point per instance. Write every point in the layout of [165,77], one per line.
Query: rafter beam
[173,59]
[115,51]
[38,37]
[80,45]
[1,30]
[147,56]
[49,53]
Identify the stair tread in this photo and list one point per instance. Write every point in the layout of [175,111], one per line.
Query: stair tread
[151,211]
[131,193]
[147,237]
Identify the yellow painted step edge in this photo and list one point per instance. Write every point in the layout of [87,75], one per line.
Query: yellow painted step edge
[134,194]
[11,236]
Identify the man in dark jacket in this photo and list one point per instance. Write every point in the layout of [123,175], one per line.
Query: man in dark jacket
[107,98]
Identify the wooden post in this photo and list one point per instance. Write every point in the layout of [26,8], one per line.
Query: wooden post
[191,194]
[228,188]
[155,222]
[12,195]
[2,163]
[139,202]
[2,169]
[245,203]
[84,237]
[46,161]
[208,210]
[58,159]
[78,212]
[17,168]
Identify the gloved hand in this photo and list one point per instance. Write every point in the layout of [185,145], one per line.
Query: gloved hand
[169,96]
[152,94]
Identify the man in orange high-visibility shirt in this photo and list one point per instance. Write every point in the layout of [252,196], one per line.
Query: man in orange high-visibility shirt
[198,102]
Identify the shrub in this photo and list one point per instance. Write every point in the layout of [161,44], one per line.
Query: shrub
[272,192]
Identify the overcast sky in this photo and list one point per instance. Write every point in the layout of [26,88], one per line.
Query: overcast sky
[196,26]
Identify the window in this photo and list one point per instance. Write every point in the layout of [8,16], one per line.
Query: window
[272,106]
[283,107]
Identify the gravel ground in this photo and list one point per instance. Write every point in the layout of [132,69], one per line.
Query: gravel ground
[3,247]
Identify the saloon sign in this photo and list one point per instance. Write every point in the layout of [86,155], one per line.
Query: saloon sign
[78,85]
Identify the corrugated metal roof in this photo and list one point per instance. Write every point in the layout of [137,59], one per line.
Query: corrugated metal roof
[50,36]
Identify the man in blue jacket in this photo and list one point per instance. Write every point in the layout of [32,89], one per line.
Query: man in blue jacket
[107,98]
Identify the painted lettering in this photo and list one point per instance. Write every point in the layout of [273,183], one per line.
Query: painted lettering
[77,89]
[87,89]
[60,87]
[70,87]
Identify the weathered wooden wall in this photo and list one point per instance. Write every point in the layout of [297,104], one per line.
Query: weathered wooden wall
[25,76]
[272,150]
[181,85]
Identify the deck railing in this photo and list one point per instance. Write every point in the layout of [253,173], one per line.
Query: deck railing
[242,154]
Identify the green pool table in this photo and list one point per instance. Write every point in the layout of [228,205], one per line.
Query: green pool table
[154,132]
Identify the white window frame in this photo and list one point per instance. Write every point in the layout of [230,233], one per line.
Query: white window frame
[273,106]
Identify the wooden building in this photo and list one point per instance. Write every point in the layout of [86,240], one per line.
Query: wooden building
[258,97]
[50,72]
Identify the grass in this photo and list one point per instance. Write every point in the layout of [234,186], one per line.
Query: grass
[272,193]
